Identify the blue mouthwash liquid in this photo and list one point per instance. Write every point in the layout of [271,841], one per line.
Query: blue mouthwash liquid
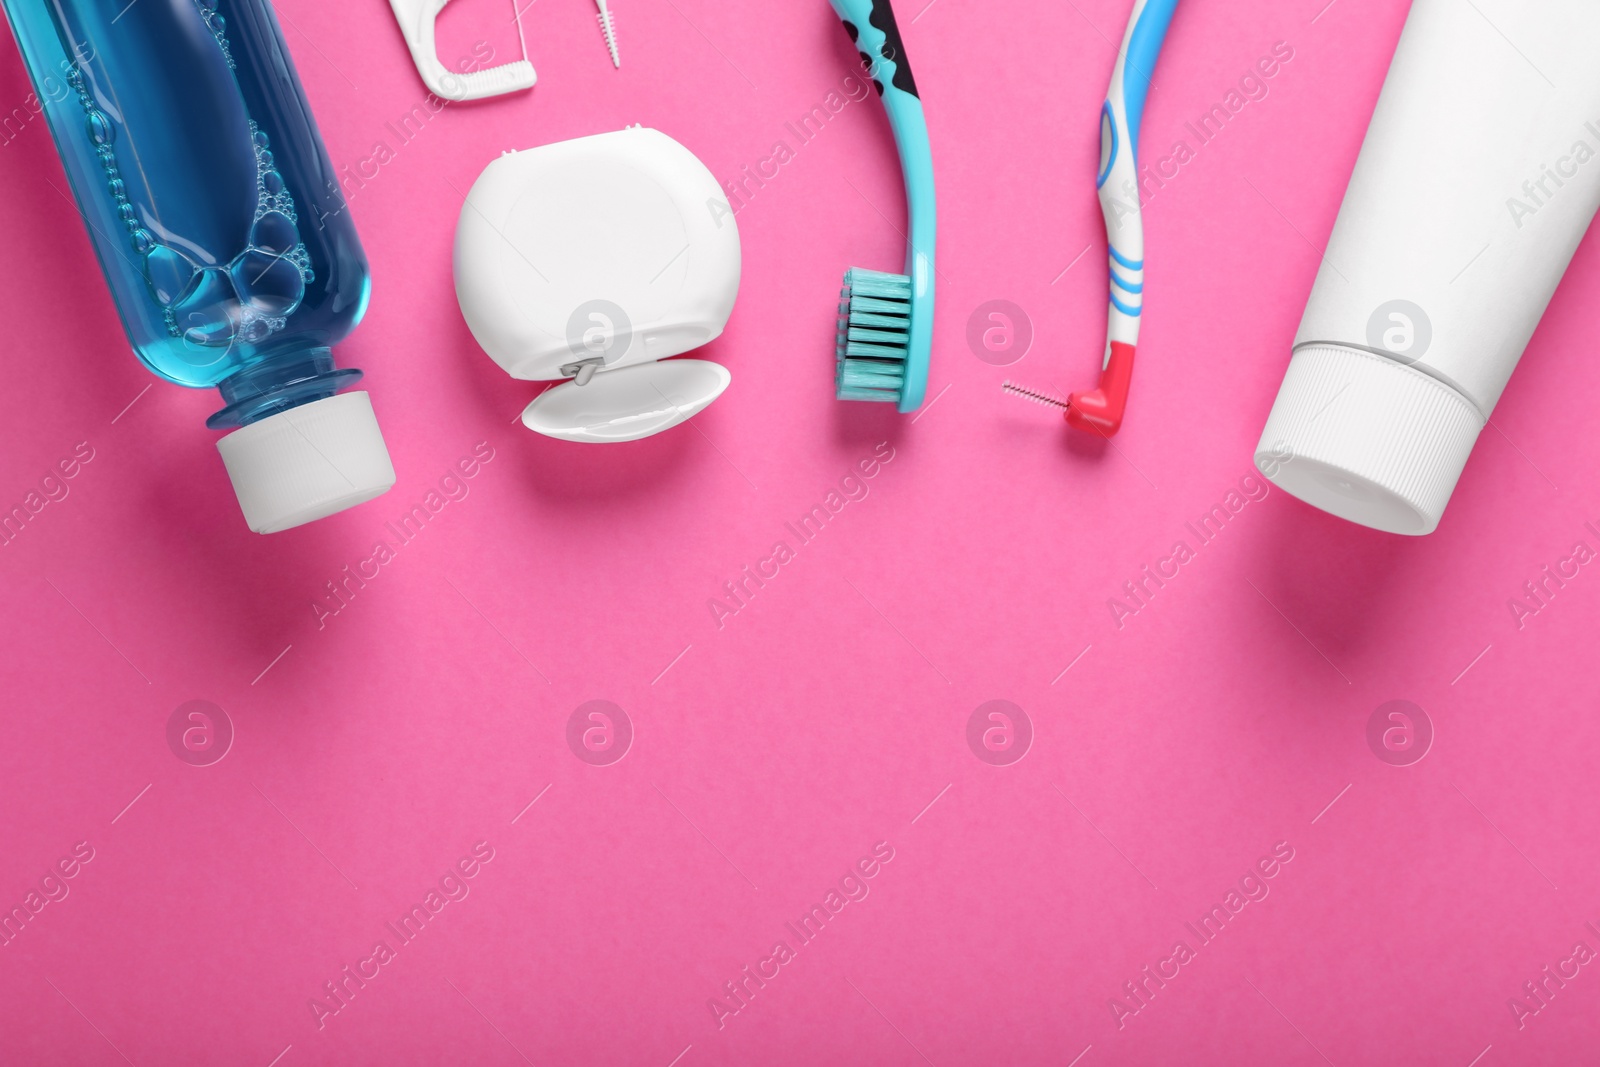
[203,182]
[206,190]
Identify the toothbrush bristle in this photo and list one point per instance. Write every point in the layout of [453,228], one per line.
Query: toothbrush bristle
[874,336]
[1028,394]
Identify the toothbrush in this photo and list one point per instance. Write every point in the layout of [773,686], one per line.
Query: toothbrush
[1100,410]
[608,27]
[886,320]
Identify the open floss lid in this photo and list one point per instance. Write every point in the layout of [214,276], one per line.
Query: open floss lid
[594,260]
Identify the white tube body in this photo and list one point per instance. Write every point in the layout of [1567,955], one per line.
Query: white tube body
[1479,176]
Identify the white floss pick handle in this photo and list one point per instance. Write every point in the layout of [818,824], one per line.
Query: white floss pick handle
[417,21]
[593,261]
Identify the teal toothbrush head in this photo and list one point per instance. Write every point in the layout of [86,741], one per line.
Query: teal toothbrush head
[886,320]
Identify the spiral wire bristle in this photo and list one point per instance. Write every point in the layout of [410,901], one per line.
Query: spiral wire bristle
[1037,397]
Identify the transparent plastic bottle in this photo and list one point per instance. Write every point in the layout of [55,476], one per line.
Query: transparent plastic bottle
[218,221]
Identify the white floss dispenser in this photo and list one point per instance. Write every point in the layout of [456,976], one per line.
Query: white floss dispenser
[594,260]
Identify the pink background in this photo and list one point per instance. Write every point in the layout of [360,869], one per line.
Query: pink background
[828,715]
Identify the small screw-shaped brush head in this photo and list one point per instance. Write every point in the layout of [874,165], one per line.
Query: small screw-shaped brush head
[609,28]
[1037,397]
[874,336]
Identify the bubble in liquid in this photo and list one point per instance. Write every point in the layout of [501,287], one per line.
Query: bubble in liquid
[169,272]
[219,25]
[274,233]
[101,131]
[209,312]
[255,329]
[269,284]
[249,299]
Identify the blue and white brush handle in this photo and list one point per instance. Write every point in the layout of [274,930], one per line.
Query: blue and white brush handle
[1118,183]
[871,24]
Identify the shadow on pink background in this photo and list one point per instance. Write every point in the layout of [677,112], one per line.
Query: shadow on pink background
[1023,913]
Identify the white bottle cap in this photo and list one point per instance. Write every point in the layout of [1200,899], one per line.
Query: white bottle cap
[1367,438]
[308,462]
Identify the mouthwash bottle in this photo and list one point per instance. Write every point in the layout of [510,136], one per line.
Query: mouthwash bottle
[219,224]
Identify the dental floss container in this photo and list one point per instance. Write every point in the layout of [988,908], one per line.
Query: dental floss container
[593,261]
